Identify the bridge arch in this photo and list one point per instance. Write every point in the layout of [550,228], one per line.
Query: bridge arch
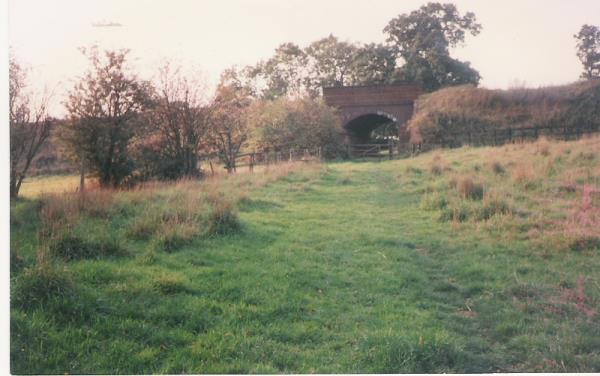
[359,129]
[365,108]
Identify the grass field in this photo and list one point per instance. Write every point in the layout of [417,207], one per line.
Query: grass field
[465,260]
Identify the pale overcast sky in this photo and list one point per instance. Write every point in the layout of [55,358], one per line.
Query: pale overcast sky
[524,41]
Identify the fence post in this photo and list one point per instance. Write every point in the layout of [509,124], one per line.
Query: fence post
[291,155]
[390,149]
[81,177]
[251,165]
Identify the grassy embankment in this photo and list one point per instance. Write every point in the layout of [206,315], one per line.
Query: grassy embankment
[454,114]
[458,260]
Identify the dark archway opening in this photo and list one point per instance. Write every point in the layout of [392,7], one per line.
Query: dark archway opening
[372,128]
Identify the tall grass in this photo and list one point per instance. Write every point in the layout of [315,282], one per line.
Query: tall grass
[542,186]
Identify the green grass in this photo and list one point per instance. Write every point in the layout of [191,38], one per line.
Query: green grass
[346,270]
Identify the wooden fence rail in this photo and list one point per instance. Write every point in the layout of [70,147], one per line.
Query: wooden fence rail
[395,149]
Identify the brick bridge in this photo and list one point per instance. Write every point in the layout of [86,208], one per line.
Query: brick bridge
[364,108]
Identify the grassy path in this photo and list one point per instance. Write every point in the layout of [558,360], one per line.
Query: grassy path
[337,273]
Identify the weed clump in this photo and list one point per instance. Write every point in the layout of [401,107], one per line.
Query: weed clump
[453,181]
[413,170]
[69,247]
[524,176]
[469,189]
[148,257]
[492,205]
[426,354]
[435,169]
[144,227]
[38,285]
[173,237]
[433,201]
[542,147]
[223,219]
[458,212]
[169,283]
[497,168]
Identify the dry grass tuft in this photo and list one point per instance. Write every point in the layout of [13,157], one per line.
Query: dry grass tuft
[582,227]
[435,169]
[223,218]
[542,147]
[523,175]
[469,189]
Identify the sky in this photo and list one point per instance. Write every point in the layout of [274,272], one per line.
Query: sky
[523,42]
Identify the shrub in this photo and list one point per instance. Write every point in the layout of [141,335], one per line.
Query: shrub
[37,286]
[469,189]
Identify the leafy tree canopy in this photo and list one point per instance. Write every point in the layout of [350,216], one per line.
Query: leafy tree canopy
[423,38]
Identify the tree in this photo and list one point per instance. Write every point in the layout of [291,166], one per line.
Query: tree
[588,50]
[103,109]
[330,62]
[302,123]
[422,39]
[29,125]
[228,130]
[372,64]
[178,124]
[284,74]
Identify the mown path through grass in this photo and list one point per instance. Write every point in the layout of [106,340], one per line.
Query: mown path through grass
[341,272]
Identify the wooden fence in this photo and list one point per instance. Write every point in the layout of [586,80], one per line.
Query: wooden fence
[394,149]
[265,157]
[510,135]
